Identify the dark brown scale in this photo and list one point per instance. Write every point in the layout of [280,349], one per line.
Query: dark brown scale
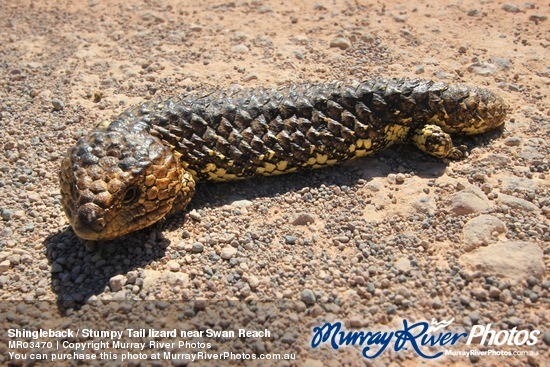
[243,130]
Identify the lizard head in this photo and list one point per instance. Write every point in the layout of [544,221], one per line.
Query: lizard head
[115,181]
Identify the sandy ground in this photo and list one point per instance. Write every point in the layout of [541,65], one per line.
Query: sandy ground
[396,236]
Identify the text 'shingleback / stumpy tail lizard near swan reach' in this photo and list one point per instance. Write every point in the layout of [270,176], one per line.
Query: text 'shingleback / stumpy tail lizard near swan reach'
[129,173]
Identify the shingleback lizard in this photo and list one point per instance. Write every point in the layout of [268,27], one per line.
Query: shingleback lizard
[129,173]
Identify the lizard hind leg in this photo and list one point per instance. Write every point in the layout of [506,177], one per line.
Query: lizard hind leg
[433,140]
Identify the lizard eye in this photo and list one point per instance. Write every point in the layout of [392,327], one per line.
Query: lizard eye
[131,195]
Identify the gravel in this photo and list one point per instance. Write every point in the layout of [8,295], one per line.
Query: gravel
[398,235]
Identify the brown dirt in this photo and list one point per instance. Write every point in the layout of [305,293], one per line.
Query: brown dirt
[99,57]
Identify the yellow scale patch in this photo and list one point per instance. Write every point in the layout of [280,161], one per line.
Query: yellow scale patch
[396,133]
[281,166]
[361,148]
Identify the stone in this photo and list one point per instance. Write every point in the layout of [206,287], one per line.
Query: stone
[228,252]
[290,240]
[518,184]
[308,297]
[517,203]
[419,69]
[341,43]
[303,219]
[14,259]
[468,201]
[57,105]
[510,8]
[513,260]
[173,265]
[512,141]
[194,214]
[506,297]
[4,266]
[241,203]
[117,282]
[478,231]
[400,18]
[6,214]
[538,18]
[197,248]
[239,49]
[131,277]
[253,281]
[423,204]
[501,62]
[403,264]
[482,68]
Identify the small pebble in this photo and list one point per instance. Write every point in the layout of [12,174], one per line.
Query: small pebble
[131,277]
[249,77]
[194,27]
[308,297]
[538,18]
[510,8]
[512,141]
[117,282]
[57,105]
[194,214]
[241,203]
[197,248]
[482,68]
[494,292]
[253,282]
[173,266]
[303,219]
[4,266]
[501,62]
[6,214]
[400,18]
[341,43]
[290,240]
[239,49]
[514,87]
[14,259]
[228,252]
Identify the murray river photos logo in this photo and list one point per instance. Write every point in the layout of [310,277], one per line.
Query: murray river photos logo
[419,337]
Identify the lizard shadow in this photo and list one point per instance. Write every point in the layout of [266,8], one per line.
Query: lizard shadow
[83,270]
[80,270]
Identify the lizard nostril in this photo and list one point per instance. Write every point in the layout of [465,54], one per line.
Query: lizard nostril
[89,214]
